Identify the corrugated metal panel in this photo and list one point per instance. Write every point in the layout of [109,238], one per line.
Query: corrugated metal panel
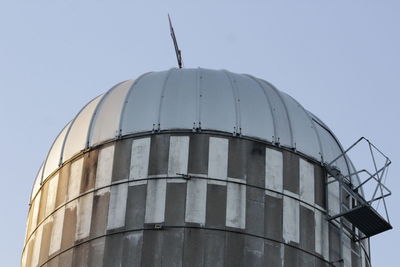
[77,135]
[54,155]
[178,102]
[217,102]
[107,117]
[142,103]
[255,112]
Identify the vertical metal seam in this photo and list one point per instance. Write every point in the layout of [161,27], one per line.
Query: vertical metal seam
[162,97]
[199,96]
[69,129]
[40,172]
[313,126]
[98,107]
[236,103]
[329,131]
[293,140]
[269,103]
[122,115]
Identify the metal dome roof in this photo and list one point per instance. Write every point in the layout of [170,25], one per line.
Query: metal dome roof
[205,99]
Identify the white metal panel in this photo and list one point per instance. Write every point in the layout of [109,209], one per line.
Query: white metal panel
[84,216]
[54,155]
[75,177]
[179,101]
[36,247]
[217,102]
[291,220]
[307,193]
[24,255]
[236,206]
[143,103]
[56,231]
[178,155]
[140,158]
[51,194]
[273,170]
[104,166]
[155,201]
[117,207]
[196,200]
[218,158]
[35,212]
[255,111]
[106,121]
[37,183]
[321,234]
[77,135]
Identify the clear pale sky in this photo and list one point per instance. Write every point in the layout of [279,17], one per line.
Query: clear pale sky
[340,59]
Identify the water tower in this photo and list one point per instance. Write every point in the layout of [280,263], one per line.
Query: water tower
[200,167]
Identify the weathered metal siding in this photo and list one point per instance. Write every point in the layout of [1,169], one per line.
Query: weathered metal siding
[186,199]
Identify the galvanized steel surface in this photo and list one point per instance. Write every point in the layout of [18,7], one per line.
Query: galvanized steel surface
[187,199]
[196,99]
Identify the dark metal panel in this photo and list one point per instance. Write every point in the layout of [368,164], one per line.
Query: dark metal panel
[132,249]
[96,252]
[175,204]
[122,159]
[99,213]
[355,260]
[54,262]
[89,170]
[198,154]
[69,226]
[291,258]
[152,248]
[253,251]
[216,206]
[256,164]
[272,253]
[136,207]
[45,243]
[319,185]
[214,248]
[291,179]
[334,243]
[159,150]
[81,255]
[172,250]
[234,249]
[66,258]
[306,260]
[273,217]
[113,250]
[237,158]
[255,208]
[321,263]
[63,184]
[194,246]
[307,229]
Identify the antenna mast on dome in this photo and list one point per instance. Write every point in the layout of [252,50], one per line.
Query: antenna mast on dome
[177,50]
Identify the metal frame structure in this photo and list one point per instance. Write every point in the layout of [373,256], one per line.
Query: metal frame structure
[360,211]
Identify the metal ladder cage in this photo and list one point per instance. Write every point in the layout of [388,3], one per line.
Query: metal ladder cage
[357,215]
